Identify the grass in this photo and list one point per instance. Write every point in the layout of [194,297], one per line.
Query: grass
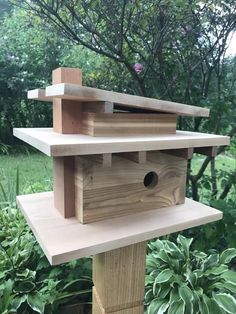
[223,162]
[35,171]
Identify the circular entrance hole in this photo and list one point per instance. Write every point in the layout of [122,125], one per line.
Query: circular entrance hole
[150,180]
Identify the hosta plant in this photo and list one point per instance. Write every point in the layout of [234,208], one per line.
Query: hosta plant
[181,281]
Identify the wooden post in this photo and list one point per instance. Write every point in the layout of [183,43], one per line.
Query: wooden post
[66,119]
[67,113]
[119,280]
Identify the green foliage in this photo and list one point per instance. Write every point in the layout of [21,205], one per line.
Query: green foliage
[185,281]
[28,284]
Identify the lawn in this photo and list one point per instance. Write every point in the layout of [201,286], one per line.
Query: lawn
[35,172]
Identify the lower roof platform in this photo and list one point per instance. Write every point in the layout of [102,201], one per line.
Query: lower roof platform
[63,240]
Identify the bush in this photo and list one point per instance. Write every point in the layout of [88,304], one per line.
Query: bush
[183,281]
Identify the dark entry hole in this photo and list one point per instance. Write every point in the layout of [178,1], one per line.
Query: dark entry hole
[150,180]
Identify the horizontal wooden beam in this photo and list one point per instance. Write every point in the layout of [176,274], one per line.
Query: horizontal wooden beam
[210,151]
[186,153]
[83,93]
[54,144]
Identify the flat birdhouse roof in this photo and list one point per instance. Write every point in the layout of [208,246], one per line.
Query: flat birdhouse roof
[88,94]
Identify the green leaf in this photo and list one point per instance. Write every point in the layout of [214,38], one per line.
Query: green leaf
[176,307]
[227,255]
[211,261]
[36,302]
[149,280]
[157,306]
[164,276]
[185,243]
[186,295]
[229,276]
[17,301]
[226,301]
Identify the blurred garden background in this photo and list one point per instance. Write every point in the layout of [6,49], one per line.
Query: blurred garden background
[167,49]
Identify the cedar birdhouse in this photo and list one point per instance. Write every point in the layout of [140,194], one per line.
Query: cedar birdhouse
[119,179]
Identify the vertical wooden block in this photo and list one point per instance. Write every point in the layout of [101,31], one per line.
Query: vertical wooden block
[67,113]
[118,277]
[66,119]
[67,75]
[64,186]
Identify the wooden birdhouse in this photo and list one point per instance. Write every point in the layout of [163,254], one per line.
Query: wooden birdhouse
[119,179]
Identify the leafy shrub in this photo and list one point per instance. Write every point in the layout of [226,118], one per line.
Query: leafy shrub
[28,283]
[183,281]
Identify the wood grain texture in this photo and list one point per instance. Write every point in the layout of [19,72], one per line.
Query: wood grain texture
[67,114]
[118,124]
[82,93]
[103,193]
[63,240]
[118,277]
[67,75]
[186,153]
[98,309]
[54,144]
[64,186]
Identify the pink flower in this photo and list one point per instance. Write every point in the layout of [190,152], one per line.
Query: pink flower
[138,68]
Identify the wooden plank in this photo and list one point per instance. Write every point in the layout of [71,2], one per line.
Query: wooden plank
[54,144]
[186,153]
[127,187]
[119,278]
[63,240]
[83,93]
[64,185]
[38,94]
[207,151]
[67,114]
[118,124]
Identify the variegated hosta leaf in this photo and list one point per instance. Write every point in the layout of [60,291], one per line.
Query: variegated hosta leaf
[227,256]
[225,301]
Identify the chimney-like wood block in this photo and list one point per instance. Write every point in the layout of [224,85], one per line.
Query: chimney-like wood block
[127,186]
[67,113]
[118,277]
[63,185]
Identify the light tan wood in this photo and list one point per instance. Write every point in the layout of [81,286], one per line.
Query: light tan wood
[67,114]
[139,157]
[82,93]
[98,309]
[118,124]
[64,186]
[207,151]
[38,94]
[67,75]
[99,107]
[118,277]
[186,153]
[63,240]
[127,187]
[54,144]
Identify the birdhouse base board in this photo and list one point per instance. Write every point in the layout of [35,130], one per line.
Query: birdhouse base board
[63,240]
